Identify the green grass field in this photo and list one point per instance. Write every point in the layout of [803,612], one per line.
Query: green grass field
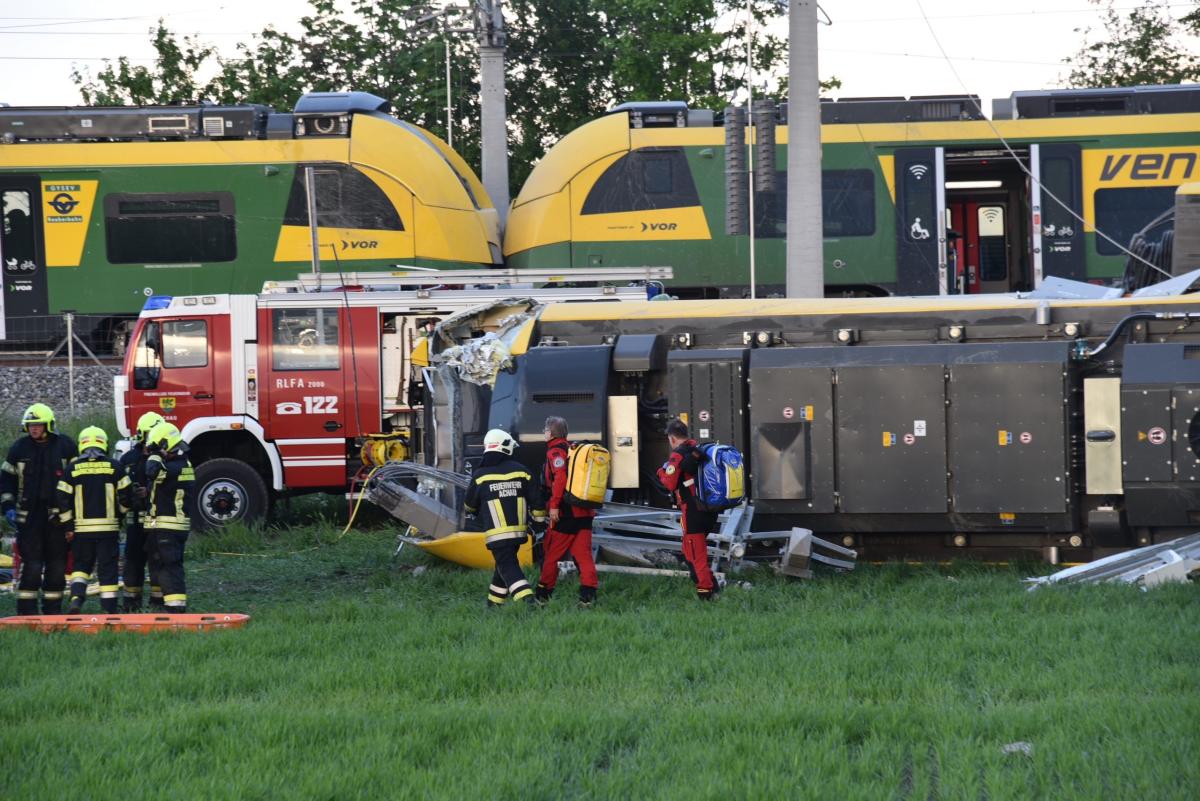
[362,678]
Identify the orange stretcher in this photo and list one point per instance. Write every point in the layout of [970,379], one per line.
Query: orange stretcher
[91,624]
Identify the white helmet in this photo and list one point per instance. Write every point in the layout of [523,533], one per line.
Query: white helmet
[498,440]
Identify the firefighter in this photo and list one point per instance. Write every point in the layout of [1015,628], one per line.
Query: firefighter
[169,501]
[133,462]
[678,475]
[28,496]
[502,493]
[93,493]
[570,528]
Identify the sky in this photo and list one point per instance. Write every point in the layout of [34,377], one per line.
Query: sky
[876,47]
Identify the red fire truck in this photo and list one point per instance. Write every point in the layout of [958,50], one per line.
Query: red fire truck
[280,393]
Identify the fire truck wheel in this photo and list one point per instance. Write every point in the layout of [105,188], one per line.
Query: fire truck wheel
[227,491]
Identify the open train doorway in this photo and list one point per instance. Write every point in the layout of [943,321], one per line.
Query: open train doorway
[987,220]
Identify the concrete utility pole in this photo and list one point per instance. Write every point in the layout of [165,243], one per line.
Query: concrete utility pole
[805,245]
[489,29]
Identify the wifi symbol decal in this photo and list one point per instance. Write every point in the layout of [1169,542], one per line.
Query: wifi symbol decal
[919,171]
[991,214]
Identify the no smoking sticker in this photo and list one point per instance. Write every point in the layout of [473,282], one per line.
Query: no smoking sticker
[909,439]
[1026,438]
[788,411]
[1157,435]
[703,415]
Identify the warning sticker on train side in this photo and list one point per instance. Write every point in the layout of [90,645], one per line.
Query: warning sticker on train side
[909,439]
[1157,435]
[889,439]
[788,411]
[703,415]
[1026,437]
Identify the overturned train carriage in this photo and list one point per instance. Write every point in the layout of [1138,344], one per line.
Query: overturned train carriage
[883,423]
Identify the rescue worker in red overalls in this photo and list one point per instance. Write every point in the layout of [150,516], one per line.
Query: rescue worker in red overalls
[678,475]
[570,526]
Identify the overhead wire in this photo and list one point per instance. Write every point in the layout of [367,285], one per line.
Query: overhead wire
[1012,153]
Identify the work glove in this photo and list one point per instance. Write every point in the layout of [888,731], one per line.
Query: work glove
[70,535]
[11,517]
[140,491]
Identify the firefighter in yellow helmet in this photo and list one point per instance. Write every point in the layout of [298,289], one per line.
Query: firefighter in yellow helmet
[133,462]
[93,493]
[29,499]
[502,496]
[170,498]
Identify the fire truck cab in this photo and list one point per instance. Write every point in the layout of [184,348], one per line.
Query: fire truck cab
[278,393]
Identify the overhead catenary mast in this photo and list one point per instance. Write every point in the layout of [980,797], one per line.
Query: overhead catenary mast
[805,266]
[489,30]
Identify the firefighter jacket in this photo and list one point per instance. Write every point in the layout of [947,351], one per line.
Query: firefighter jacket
[571,519]
[30,474]
[678,475]
[171,492]
[93,493]
[502,494]
[133,464]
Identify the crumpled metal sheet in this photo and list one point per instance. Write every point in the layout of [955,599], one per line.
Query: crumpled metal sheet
[478,360]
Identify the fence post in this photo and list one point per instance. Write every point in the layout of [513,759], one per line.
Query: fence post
[71,360]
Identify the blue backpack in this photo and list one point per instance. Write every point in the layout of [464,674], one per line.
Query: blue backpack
[721,479]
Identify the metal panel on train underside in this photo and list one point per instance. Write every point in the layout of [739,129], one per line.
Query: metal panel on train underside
[1146,431]
[891,438]
[1007,434]
[707,388]
[791,453]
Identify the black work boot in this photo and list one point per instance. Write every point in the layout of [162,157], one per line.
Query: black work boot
[52,607]
[131,605]
[542,594]
[587,597]
[76,605]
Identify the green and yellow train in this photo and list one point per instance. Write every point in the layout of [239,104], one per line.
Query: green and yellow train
[106,206]
[920,196]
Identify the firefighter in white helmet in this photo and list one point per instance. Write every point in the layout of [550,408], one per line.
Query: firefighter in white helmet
[502,496]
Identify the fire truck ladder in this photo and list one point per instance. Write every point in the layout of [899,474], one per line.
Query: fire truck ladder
[499,277]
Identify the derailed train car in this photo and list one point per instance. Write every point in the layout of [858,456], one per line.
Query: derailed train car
[919,423]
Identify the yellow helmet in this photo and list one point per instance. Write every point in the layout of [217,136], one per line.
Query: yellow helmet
[165,435]
[38,413]
[146,423]
[93,437]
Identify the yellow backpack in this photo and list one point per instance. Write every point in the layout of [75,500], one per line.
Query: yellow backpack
[587,475]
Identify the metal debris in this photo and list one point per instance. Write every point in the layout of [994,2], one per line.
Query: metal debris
[1019,747]
[1167,562]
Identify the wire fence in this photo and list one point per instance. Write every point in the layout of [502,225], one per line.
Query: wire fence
[45,359]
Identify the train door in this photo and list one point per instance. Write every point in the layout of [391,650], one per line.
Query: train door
[22,250]
[921,254]
[303,386]
[1056,206]
[173,366]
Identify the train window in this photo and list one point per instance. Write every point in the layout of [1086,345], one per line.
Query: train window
[644,180]
[305,339]
[1121,213]
[184,343]
[17,241]
[847,205]
[170,229]
[346,198]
